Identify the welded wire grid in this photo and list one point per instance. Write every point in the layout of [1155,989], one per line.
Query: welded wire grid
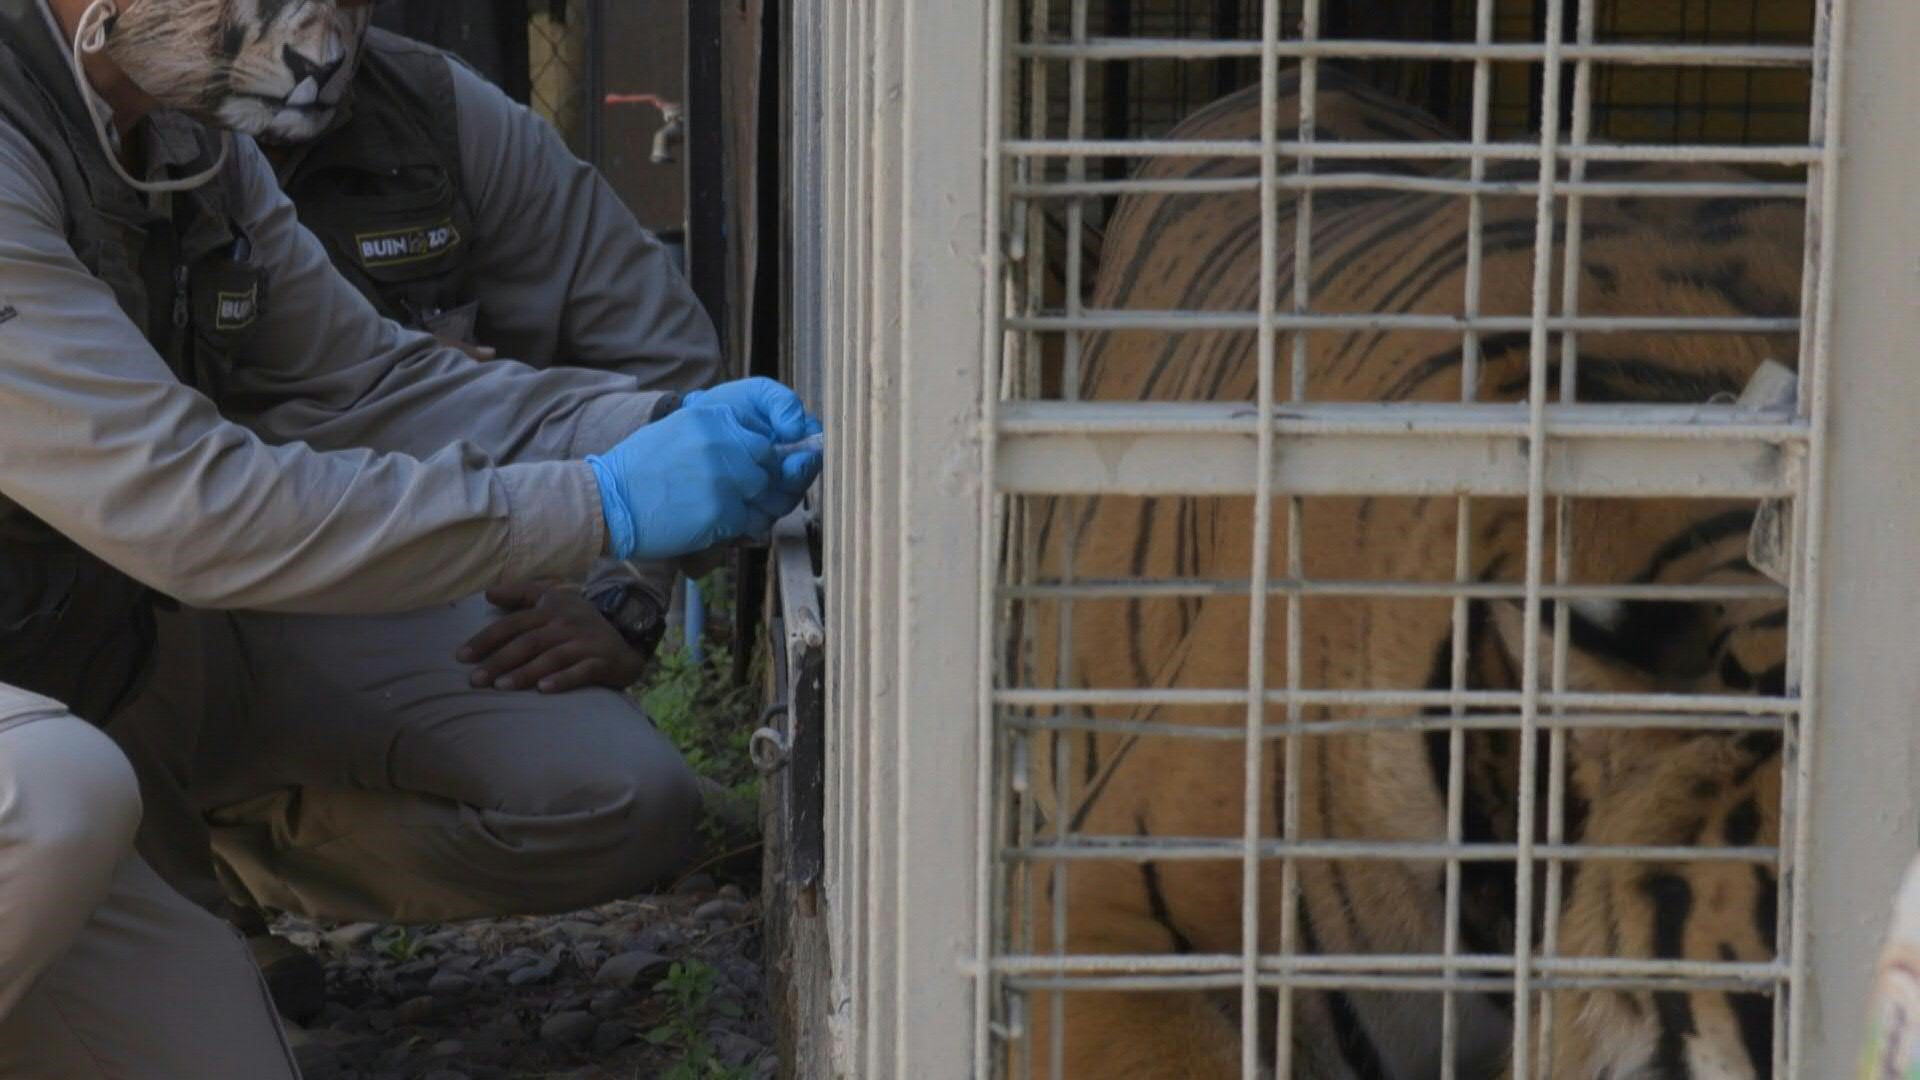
[1056,147]
[557,61]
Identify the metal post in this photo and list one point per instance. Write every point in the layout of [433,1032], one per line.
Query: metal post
[1860,755]
[706,166]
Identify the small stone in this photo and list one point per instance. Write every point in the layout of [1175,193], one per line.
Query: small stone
[720,911]
[461,965]
[733,1050]
[381,1020]
[607,1003]
[415,1010]
[743,975]
[505,1026]
[533,973]
[733,892]
[612,1036]
[447,1048]
[569,1028]
[698,883]
[352,935]
[507,965]
[632,968]
[661,938]
[448,984]
[572,928]
[736,1025]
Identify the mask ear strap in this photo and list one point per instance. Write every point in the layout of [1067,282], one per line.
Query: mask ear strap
[89,38]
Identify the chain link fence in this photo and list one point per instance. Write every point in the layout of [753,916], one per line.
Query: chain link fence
[562,69]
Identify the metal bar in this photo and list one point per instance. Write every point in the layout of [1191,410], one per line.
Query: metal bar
[1059,887]
[1698,153]
[593,87]
[864,797]
[1436,185]
[989,811]
[1377,725]
[1119,319]
[1388,464]
[1730,704]
[706,167]
[803,661]
[1572,274]
[1384,963]
[1423,984]
[1470,357]
[1254,717]
[1087,847]
[1133,589]
[1431,419]
[1853,774]
[1624,55]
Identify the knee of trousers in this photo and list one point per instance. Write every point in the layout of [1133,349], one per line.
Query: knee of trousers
[69,807]
[617,832]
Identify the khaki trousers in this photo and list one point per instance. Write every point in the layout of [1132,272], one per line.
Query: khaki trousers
[105,973]
[341,767]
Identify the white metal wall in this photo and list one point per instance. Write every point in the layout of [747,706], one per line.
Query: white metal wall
[890,210]
[913,173]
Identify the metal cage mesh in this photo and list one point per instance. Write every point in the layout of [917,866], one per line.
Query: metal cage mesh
[1093,90]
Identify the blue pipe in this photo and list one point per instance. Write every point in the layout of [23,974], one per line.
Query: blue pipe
[695,622]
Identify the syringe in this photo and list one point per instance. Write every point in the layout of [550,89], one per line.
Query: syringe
[811,442]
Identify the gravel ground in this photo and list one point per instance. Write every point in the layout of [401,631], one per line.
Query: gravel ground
[667,987]
[664,986]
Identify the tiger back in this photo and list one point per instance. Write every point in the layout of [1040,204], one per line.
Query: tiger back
[1384,780]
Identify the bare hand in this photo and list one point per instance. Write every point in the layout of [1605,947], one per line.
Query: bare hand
[553,638]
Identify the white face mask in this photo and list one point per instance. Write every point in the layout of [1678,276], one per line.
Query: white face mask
[91,37]
[275,69]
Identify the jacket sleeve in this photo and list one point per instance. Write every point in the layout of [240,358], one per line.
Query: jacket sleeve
[101,441]
[324,368]
[566,275]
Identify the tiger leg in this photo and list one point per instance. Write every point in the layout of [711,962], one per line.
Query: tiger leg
[1117,909]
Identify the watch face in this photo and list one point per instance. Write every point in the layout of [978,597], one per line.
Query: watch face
[637,615]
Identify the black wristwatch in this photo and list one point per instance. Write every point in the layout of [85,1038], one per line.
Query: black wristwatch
[640,619]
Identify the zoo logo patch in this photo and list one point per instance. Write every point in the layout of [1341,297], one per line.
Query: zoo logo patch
[236,310]
[398,247]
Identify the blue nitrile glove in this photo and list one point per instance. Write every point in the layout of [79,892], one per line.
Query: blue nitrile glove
[790,424]
[704,475]
[780,406]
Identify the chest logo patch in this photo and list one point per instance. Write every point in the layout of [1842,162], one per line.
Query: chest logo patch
[236,310]
[415,243]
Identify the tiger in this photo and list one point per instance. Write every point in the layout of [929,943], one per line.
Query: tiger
[277,69]
[1405,252]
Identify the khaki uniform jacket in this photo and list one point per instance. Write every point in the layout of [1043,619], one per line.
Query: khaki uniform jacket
[538,260]
[348,465]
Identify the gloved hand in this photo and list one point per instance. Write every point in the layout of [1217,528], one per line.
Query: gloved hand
[706,474]
[779,405]
[788,419]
